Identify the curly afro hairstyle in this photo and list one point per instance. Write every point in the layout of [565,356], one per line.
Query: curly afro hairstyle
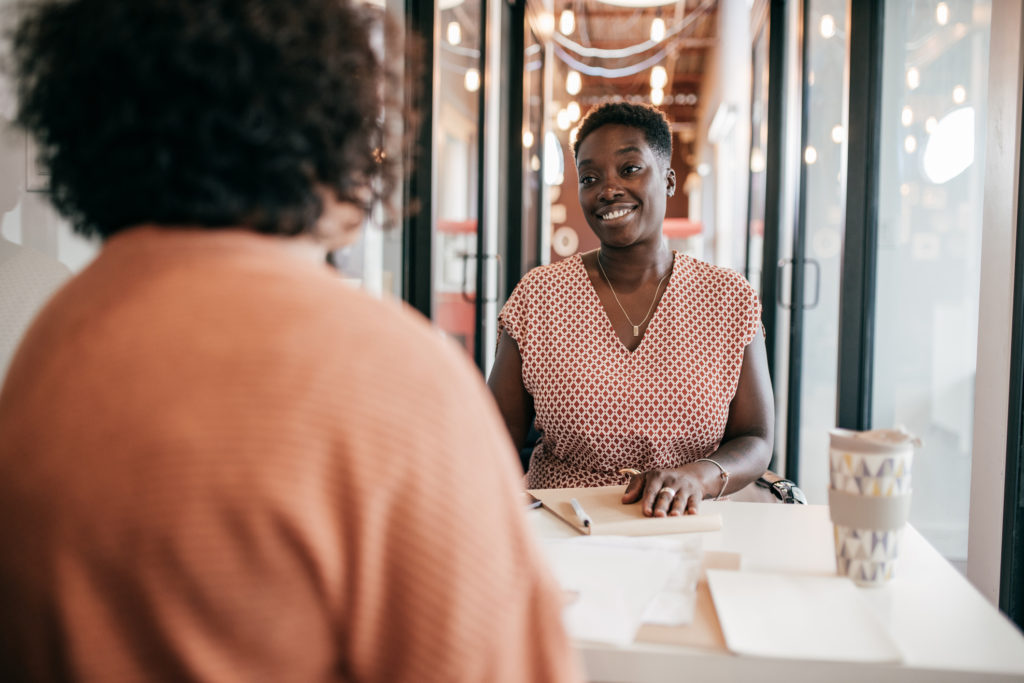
[212,113]
[644,117]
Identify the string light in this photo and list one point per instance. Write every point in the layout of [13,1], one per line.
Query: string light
[658,30]
[546,23]
[810,155]
[827,27]
[567,22]
[657,96]
[959,94]
[527,139]
[910,144]
[659,77]
[942,13]
[837,134]
[573,83]
[907,116]
[563,120]
[574,111]
[913,78]
[930,124]
[472,80]
[454,33]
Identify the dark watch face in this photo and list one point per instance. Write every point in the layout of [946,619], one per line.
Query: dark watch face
[789,493]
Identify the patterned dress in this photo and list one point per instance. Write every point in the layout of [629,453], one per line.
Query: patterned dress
[602,407]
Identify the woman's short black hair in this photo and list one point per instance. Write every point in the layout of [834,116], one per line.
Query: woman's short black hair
[644,117]
[211,113]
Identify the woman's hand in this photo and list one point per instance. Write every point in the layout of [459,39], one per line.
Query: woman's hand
[676,491]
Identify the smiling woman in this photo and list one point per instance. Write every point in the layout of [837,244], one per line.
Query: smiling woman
[632,355]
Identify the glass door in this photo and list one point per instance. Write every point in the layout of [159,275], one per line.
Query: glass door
[931,188]
[458,78]
[815,268]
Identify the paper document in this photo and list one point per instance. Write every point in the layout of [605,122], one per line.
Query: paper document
[674,604]
[611,581]
[798,617]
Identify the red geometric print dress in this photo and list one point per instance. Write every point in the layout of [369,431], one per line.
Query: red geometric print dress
[602,407]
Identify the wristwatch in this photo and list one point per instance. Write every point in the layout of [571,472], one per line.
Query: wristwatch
[785,490]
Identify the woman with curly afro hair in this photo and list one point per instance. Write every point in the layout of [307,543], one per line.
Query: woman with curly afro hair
[218,461]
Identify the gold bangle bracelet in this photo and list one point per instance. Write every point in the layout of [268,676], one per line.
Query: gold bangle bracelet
[724,475]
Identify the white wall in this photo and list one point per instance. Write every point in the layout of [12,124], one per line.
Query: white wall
[988,465]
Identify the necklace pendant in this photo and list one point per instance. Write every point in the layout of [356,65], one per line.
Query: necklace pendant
[636,330]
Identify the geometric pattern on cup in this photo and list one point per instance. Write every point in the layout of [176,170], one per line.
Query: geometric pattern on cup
[870,474]
[870,486]
[867,556]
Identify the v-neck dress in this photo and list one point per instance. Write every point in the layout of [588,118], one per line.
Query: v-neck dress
[602,407]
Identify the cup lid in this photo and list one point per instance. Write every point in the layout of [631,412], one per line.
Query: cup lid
[876,440]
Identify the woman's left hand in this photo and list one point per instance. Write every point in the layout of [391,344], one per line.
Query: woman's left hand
[676,491]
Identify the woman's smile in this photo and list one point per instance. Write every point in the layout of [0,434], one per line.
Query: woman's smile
[612,213]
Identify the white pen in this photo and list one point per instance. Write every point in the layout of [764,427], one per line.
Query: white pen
[580,513]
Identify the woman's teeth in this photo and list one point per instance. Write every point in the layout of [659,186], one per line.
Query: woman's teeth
[615,214]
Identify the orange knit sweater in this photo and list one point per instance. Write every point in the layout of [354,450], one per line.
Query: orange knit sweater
[220,463]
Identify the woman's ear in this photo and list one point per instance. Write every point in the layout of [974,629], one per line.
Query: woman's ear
[340,223]
[670,182]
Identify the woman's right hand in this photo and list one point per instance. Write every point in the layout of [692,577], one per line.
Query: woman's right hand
[669,492]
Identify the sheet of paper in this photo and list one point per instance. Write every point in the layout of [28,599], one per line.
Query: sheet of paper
[798,616]
[674,603]
[611,581]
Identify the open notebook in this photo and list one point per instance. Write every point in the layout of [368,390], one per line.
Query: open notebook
[609,517]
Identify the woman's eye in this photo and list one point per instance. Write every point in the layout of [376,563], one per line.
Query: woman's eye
[630,170]
[587,180]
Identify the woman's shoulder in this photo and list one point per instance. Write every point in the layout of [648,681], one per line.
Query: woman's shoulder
[715,278]
[551,273]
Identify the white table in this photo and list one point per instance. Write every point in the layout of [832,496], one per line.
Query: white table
[944,627]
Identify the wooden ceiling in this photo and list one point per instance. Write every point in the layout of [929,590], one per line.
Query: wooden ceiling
[611,47]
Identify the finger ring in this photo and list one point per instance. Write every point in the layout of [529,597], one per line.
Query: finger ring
[667,489]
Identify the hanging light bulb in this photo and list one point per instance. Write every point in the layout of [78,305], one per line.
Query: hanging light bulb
[907,116]
[827,27]
[913,78]
[658,29]
[659,77]
[837,134]
[562,119]
[573,83]
[574,111]
[567,22]
[472,80]
[527,139]
[657,96]
[959,94]
[546,23]
[454,33]
[810,155]
[942,14]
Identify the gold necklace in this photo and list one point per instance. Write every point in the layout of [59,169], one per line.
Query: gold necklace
[636,326]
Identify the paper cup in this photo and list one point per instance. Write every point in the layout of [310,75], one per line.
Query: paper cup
[869,500]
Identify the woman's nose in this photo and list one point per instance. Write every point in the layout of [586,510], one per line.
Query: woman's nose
[611,191]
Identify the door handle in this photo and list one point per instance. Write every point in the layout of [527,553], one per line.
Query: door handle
[466,256]
[780,270]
